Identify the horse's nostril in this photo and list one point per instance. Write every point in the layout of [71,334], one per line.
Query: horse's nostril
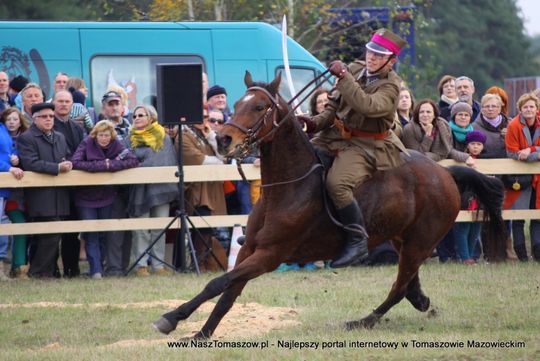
[224,141]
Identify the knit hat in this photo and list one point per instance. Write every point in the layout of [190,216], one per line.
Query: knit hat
[475,136]
[460,107]
[385,42]
[78,97]
[215,90]
[18,83]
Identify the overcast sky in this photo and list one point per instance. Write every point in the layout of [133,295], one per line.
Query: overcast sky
[531,14]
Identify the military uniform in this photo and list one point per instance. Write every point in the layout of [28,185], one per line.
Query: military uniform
[366,106]
[357,126]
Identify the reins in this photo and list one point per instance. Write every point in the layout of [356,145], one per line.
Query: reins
[252,141]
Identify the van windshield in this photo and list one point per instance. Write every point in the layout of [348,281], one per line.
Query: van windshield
[136,74]
[301,76]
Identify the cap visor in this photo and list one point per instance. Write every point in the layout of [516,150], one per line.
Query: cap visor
[376,48]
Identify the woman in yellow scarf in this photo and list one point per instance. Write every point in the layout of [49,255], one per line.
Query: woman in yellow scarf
[154,148]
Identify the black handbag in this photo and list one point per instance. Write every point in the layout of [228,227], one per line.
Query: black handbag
[517,182]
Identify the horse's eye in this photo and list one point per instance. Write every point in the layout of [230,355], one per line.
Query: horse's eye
[259,108]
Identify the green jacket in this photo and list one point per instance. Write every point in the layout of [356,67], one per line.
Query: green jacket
[365,107]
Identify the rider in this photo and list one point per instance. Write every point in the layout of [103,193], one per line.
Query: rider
[356,126]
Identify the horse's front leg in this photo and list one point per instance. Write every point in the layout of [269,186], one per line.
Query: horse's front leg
[249,266]
[168,322]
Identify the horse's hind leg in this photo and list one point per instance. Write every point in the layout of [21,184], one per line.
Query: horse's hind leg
[409,263]
[416,296]
[414,292]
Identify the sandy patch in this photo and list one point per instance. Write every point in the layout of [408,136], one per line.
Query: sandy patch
[242,321]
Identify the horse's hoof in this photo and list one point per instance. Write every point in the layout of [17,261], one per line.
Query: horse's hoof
[163,325]
[421,303]
[424,305]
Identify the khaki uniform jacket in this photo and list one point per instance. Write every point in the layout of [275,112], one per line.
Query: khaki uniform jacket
[368,106]
[199,194]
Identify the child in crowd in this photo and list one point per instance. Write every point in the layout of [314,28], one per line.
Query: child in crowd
[467,233]
[16,124]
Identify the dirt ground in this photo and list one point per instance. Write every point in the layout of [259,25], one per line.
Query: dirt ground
[243,320]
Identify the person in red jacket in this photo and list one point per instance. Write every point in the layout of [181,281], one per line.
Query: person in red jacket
[523,144]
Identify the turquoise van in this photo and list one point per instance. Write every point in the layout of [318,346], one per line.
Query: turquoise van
[126,53]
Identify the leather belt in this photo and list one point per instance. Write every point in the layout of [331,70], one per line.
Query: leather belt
[361,134]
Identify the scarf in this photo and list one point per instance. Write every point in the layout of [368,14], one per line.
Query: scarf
[152,136]
[447,100]
[459,132]
[495,122]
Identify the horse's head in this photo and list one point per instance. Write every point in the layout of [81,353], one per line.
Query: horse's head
[256,113]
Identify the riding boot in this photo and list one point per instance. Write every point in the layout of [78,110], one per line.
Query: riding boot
[355,250]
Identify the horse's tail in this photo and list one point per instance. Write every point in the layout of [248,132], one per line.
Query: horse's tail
[489,192]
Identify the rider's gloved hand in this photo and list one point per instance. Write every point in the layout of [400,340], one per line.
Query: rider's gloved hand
[306,121]
[338,68]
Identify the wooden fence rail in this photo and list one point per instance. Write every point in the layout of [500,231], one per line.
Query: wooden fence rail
[196,174]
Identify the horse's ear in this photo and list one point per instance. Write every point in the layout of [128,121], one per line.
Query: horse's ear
[248,80]
[273,87]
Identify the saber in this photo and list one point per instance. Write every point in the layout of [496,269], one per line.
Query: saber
[286,63]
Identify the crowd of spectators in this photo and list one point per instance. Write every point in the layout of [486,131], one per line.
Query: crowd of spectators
[61,133]
[57,135]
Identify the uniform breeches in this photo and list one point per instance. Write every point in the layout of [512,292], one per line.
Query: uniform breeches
[354,165]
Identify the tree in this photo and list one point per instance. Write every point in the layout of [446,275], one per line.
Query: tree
[483,39]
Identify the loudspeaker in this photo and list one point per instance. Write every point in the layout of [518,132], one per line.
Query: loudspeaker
[179,94]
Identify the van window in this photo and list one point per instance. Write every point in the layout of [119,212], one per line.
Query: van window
[301,77]
[136,74]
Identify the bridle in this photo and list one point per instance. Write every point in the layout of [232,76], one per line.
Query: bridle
[252,139]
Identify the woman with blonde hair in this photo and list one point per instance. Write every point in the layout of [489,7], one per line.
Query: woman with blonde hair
[504,98]
[153,148]
[100,151]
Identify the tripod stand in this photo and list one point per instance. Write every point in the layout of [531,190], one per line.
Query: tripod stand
[179,253]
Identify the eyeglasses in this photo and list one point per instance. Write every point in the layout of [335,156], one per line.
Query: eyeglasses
[491,106]
[215,120]
[45,116]
[135,116]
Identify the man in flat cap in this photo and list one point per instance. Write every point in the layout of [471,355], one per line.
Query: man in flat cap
[43,150]
[356,127]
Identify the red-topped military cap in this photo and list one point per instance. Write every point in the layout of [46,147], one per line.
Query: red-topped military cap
[385,42]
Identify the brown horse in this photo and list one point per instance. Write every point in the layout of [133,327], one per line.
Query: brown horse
[413,205]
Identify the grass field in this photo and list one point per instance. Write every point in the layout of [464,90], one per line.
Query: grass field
[110,319]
